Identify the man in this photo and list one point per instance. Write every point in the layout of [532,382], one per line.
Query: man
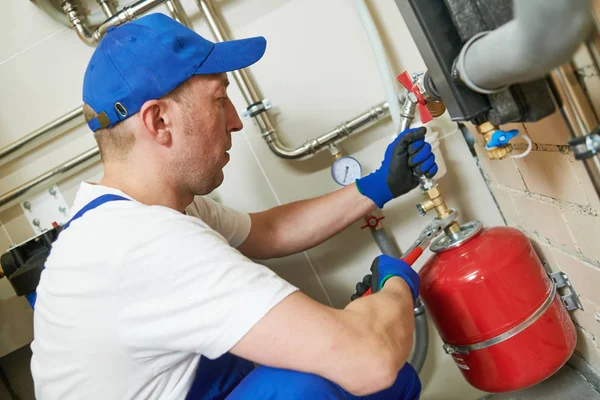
[149,292]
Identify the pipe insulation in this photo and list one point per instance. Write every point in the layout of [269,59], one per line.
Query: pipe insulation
[385,71]
[542,35]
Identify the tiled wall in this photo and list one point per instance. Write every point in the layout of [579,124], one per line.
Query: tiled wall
[550,197]
[318,71]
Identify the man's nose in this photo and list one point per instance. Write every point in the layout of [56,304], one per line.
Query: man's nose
[234,122]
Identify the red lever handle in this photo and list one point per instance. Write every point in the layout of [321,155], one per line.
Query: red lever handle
[407,82]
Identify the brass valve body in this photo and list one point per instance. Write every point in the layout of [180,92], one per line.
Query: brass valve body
[487,129]
[436,201]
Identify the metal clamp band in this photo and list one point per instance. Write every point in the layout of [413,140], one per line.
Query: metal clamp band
[256,108]
[451,349]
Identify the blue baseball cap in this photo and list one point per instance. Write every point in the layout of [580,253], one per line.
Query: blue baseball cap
[147,58]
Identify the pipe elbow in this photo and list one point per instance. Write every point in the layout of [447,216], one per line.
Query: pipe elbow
[561,27]
[543,35]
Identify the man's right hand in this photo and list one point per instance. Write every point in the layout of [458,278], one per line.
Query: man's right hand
[385,267]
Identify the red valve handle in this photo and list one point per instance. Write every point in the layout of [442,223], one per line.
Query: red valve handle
[407,82]
[372,221]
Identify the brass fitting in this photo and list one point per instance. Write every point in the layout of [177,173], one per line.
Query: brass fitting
[436,108]
[487,129]
[436,201]
[1,272]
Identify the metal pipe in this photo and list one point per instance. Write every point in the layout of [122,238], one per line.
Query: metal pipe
[407,112]
[50,177]
[263,120]
[42,135]
[385,243]
[107,7]
[178,13]
[126,14]
[581,123]
[543,35]
[77,22]
[57,14]
[323,142]
[421,345]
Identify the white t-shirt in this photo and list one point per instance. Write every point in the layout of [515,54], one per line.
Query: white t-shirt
[133,295]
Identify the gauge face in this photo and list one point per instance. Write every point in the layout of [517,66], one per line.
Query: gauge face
[345,170]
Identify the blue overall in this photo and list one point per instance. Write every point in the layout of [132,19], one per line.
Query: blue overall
[233,378]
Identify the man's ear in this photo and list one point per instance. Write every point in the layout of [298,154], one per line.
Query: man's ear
[155,118]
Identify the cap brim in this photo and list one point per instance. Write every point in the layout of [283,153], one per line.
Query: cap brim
[232,55]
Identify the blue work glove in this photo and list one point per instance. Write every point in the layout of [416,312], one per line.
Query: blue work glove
[407,157]
[384,267]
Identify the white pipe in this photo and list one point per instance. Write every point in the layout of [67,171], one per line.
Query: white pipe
[543,34]
[385,71]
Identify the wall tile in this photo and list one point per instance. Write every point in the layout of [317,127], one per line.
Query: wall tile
[550,130]
[587,347]
[508,209]
[46,158]
[503,172]
[16,224]
[296,270]
[551,174]
[584,276]
[588,74]
[36,97]
[4,241]
[22,24]
[586,318]
[586,183]
[545,219]
[586,230]
[545,253]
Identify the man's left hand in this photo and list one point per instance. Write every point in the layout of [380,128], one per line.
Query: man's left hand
[406,158]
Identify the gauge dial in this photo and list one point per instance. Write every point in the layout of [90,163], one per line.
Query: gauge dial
[345,170]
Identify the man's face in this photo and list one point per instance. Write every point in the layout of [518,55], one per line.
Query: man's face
[201,146]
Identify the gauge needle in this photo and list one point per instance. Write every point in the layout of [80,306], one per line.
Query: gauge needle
[346,174]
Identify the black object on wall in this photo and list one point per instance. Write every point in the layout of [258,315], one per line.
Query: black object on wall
[440,28]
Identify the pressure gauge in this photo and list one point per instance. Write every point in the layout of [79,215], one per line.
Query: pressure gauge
[345,170]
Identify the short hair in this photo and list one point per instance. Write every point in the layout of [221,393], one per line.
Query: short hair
[116,142]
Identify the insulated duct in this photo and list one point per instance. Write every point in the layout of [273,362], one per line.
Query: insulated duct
[542,35]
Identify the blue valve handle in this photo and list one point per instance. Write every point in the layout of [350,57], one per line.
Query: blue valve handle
[501,138]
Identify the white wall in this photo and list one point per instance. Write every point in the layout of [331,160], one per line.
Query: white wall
[318,71]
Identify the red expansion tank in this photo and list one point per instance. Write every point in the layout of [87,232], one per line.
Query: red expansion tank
[496,309]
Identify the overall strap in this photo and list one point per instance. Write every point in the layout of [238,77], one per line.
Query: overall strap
[93,204]
[32,297]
